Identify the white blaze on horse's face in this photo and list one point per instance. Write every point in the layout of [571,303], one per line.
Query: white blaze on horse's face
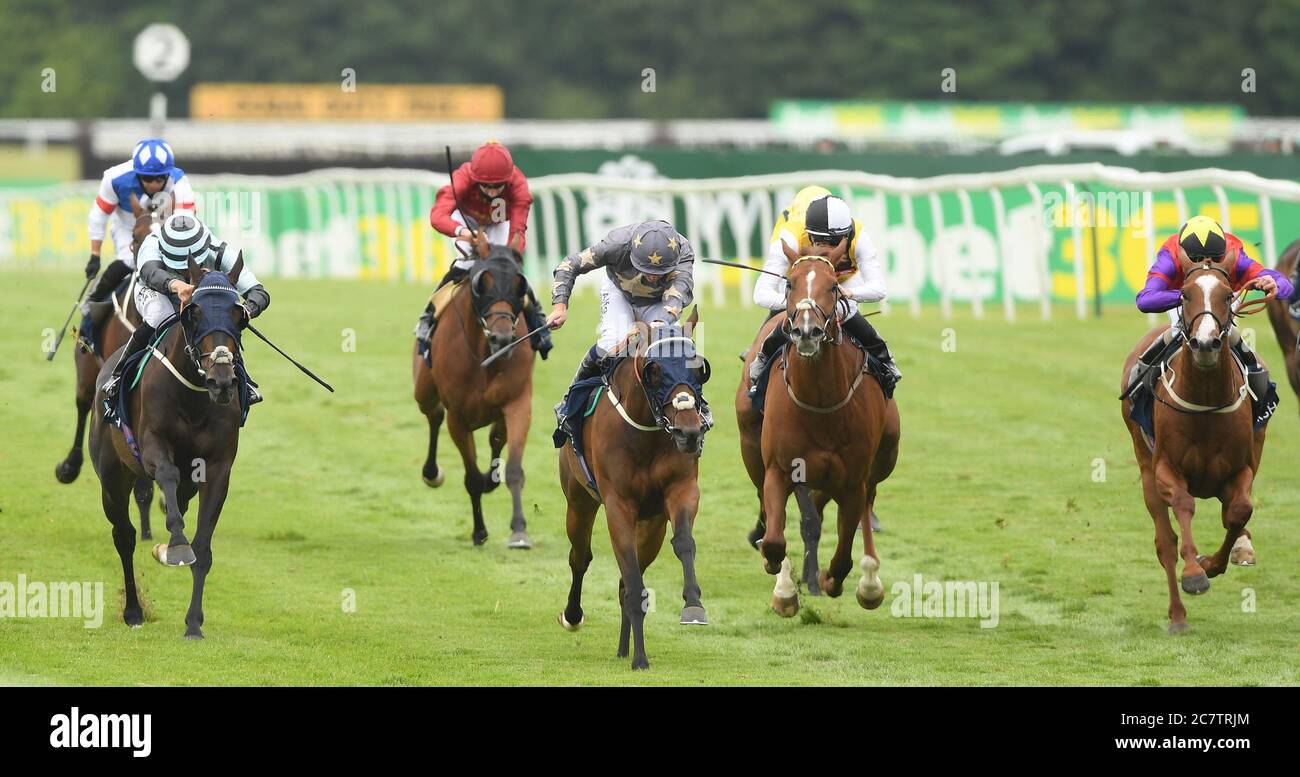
[1207,341]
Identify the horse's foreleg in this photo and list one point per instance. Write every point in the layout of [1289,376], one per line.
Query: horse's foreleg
[68,469]
[496,467]
[178,551]
[810,529]
[463,436]
[143,501]
[1237,509]
[431,473]
[1173,489]
[772,547]
[849,515]
[870,591]
[212,497]
[579,524]
[518,417]
[1166,548]
[681,508]
[622,535]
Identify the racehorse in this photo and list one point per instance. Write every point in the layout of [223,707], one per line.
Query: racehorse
[1205,445]
[827,433]
[117,329]
[642,445]
[1285,328]
[183,416]
[469,396]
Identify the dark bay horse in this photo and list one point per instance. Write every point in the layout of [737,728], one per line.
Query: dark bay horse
[186,424]
[1286,328]
[1205,444]
[117,328]
[479,322]
[643,443]
[828,433]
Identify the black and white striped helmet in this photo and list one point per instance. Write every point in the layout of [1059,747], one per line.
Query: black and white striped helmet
[183,236]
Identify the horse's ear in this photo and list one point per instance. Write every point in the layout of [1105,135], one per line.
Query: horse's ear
[136,209]
[693,318]
[651,372]
[237,269]
[790,253]
[190,314]
[195,271]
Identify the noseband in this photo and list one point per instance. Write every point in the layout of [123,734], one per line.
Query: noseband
[808,303]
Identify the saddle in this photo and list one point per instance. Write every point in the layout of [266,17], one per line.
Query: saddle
[443,296]
[873,366]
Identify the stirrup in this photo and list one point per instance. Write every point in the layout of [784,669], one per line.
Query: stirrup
[254,396]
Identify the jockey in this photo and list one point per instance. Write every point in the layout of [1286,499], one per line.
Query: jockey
[816,216]
[649,277]
[151,170]
[164,281]
[1202,239]
[495,196]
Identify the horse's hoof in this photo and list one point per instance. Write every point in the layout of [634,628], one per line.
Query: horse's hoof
[641,663]
[479,537]
[436,480]
[830,586]
[1243,552]
[870,591]
[194,635]
[146,535]
[1178,628]
[1195,585]
[65,472]
[133,619]
[812,584]
[694,615]
[875,523]
[173,555]
[520,541]
[786,607]
[1210,570]
[755,537]
[572,626]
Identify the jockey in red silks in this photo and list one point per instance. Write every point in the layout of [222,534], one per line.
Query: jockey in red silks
[490,194]
[1202,239]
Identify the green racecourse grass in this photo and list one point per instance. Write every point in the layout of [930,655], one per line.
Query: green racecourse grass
[994,484]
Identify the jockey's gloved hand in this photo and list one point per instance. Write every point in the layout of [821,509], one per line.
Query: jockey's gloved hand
[92,267]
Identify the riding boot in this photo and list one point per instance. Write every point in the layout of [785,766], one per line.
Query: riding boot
[861,330]
[1143,369]
[765,351]
[592,365]
[113,274]
[1256,374]
[536,318]
[139,339]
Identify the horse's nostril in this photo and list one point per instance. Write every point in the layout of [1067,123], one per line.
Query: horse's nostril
[1216,344]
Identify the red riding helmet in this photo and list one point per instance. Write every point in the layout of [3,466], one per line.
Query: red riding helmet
[491,164]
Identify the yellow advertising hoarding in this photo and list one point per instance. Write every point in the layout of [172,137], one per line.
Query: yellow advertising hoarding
[334,102]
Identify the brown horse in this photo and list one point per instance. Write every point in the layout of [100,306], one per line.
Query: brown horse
[827,433]
[117,328]
[477,323]
[1205,445]
[644,477]
[1286,328]
[187,429]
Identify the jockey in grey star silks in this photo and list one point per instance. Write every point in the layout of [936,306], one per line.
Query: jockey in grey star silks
[149,173]
[649,278]
[164,282]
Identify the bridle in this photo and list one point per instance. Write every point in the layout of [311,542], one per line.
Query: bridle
[808,303]
[487,316]
[682,401]
[218,355]
[1167,375]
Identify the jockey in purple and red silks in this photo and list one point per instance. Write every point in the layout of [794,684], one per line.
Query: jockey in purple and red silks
[1202,239]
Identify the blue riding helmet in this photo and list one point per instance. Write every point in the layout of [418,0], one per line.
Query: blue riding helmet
[153,157]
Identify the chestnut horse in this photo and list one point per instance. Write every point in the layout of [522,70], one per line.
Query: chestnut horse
[827,433]
[478,322]
[643,444]
[185,412]
[1205,444]
[1286,328]
[117,329]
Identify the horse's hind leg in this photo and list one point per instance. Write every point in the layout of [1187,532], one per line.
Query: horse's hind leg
[463,437]
[1237,509]
[431,473]
[518,417]
[143,501]
[810,529]
[211,501]
[115,488]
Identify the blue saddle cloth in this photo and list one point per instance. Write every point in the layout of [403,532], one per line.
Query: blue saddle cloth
[87,332]
[874,366]
[117,410]
[579,404]
[1143,411]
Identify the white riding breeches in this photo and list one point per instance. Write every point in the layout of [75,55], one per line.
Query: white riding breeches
[122,242]
[497,234]
[154,306]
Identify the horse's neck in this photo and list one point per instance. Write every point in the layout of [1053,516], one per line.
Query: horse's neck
[627,388]
[824,378]
[1212,387]
[173,347]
